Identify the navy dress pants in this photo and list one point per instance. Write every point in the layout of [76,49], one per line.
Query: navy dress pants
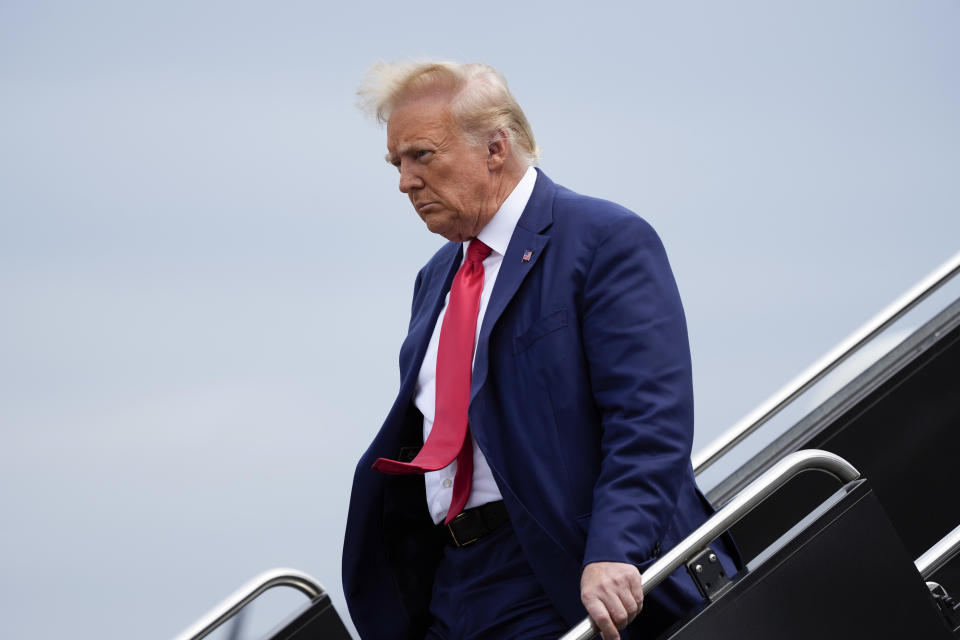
[486,591]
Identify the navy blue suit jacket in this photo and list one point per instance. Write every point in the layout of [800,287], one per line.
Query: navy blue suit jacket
[581,402]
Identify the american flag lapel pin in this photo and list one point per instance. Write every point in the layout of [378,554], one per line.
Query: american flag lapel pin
[527,255]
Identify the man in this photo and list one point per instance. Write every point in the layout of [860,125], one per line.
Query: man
[537,456]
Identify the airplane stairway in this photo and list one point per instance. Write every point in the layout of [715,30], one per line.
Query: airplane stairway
[821,562]
[899,423]
[840,572]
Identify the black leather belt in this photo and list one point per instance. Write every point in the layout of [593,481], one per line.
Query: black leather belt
[473,524]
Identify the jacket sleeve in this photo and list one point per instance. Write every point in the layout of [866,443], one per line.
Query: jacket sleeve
[638,356]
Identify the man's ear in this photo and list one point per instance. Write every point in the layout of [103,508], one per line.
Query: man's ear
[498,150]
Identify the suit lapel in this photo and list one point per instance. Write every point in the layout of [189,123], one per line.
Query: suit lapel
[524,251]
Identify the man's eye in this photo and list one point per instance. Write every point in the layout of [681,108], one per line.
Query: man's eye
[423,153]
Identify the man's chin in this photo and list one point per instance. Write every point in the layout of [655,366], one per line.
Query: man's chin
[451,236]
[442,227]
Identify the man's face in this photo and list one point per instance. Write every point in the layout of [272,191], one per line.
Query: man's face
[448,181]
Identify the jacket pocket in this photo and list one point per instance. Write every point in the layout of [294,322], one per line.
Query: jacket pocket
[540,328]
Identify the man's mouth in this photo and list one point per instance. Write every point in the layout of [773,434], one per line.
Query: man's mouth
[420,206]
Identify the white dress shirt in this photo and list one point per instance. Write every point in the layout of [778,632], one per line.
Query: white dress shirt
[496,235]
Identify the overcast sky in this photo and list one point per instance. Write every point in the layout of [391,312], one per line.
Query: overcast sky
[206,266]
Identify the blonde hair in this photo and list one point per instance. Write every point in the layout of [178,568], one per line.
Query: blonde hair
[481,103]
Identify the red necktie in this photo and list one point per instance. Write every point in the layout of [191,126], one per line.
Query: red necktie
[450,437]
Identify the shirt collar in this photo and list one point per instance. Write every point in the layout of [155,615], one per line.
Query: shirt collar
[496,234]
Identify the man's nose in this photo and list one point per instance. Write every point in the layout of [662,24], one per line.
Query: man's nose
[408,178]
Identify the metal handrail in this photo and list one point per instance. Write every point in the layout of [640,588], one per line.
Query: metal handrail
[245,594]
[939,554]
[815,372]
[744,502]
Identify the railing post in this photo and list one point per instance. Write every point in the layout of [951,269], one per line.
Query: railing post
[744,502]
[939,554]
[245,594]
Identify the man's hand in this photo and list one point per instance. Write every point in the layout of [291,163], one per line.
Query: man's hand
[612,594]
